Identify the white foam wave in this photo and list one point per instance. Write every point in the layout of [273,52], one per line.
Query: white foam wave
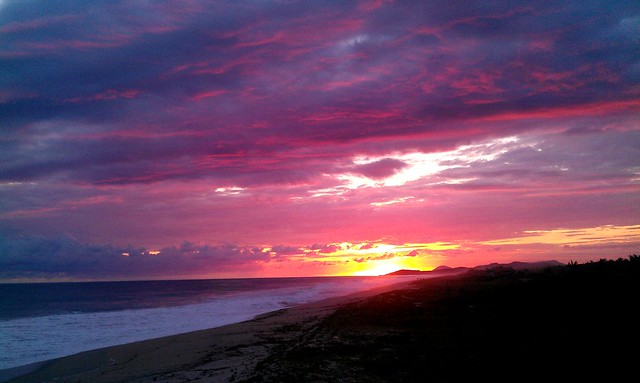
[30,340]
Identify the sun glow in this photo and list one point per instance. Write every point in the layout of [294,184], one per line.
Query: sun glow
[363,258]
[380,268]
[386,266]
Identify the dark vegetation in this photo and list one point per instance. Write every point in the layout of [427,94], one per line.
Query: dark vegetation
[562,323]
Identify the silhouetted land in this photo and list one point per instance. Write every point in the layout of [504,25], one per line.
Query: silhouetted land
[561,323]
[573,323]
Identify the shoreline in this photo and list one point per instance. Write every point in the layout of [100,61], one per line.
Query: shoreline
[491,324]
[120,362]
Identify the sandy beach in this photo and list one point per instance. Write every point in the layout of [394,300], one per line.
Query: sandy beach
[562,322]
[227,353]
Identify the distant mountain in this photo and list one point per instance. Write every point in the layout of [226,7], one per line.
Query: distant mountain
[440,270]
[520,265]
[443,270]
[408,272]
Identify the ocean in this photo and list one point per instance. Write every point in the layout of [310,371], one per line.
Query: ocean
[42,321]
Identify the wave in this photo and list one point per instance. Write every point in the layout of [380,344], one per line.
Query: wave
[33,339]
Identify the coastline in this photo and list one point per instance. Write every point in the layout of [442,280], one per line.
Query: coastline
[569,322]
[232,350]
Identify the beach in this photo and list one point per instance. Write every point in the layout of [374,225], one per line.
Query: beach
[562,322]
[226,353]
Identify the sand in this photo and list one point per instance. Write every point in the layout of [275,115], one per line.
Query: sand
[223,354]
[566,323]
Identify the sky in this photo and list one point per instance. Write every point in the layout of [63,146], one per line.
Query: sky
[196,139]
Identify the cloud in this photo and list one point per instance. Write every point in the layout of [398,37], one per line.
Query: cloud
[227,65]
[585,236]
[385,256]
[330,248]
[302,122]
[66,257]
[282,250]
[380,169]
[553,164]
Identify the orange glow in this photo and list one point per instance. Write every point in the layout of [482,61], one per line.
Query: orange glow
[387,266]
[370,259]
[380,268]
[584,236]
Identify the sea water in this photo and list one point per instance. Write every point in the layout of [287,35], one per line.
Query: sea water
[48,320]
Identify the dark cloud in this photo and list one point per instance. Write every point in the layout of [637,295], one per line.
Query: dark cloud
[281,250]
[380,169]
[66,257]
[330,248]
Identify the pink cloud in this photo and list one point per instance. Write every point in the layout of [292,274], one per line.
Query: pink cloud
[208,94]
[480,83]
[109,94]
[591,109]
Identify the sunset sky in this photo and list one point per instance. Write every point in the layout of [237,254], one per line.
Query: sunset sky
[193,139]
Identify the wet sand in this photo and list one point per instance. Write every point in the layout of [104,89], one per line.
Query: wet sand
[562,323]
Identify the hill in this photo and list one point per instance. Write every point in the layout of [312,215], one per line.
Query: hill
[520,265]
[440,270]
[565,323]
[455,270]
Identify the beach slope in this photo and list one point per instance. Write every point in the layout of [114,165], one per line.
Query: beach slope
[222,354]
[498,324]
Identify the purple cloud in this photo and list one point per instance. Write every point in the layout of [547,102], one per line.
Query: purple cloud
[65,257]
[155,123]
[380,169]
